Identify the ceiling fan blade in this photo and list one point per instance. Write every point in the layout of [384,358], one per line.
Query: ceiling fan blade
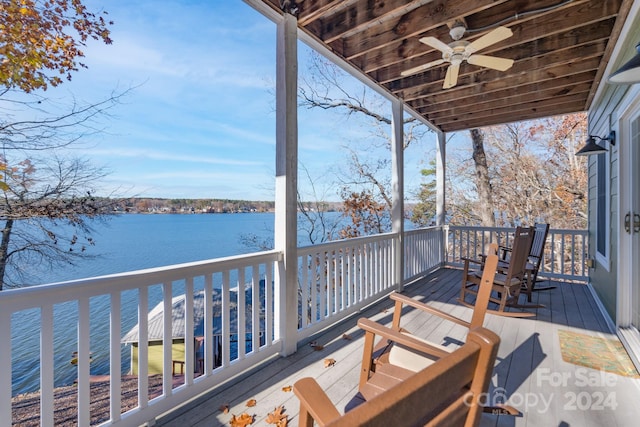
[422,67]
[436,44]
[501,64]
[451,78]
[488,39]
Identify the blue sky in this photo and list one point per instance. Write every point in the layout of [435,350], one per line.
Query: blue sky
[200,122]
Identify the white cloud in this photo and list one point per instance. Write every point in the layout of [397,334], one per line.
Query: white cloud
[170,156]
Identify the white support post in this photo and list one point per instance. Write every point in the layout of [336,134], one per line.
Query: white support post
[5,366]
[441,161]
[397,190]
[285,238]
[441,156]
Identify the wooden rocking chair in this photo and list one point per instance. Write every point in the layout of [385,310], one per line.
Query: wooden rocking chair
[534,260]
[507,284]
[536,254]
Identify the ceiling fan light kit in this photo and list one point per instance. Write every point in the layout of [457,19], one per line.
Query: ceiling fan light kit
[459,51]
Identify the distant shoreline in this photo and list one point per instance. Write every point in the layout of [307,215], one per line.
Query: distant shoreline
[193,206]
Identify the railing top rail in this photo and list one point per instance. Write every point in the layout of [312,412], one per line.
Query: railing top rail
[568,231]
[19,299]
[337,244]
[481,228]
[423,229]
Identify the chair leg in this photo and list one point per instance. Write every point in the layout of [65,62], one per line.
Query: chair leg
[305,418]
[463,285]
[544,288]
[504,294]
[526,288]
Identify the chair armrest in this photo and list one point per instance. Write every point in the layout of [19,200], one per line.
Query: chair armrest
[424,307]
[314,402]
[503,250]
[476,261]
[400,338]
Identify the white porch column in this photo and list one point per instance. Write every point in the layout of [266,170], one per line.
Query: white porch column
[286,184]
[440,178]
[397,190]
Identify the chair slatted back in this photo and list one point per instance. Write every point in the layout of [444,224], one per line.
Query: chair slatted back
[520,252]
[537,246]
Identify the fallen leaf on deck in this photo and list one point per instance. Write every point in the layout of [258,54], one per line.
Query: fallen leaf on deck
[287,388]
[277,417]
[347,337]
[251,402]
[314,345]
[224,408]
[242,420]
[329,362]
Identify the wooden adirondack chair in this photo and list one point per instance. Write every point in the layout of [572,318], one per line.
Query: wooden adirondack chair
[508,283]
[391,361]
[447,393]
[399,356]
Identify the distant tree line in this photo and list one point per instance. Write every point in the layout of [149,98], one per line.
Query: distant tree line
[183,205]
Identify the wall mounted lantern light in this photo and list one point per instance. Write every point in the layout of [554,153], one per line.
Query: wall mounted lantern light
[592,146]
[629,73]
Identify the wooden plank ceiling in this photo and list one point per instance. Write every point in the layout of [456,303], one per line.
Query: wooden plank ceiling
[560,49]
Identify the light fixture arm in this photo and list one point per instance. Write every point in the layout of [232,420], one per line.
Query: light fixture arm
[611,137]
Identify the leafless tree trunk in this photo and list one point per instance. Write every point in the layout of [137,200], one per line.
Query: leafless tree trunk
[483,183]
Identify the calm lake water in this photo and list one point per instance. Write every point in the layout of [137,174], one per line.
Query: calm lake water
[136,241]
[125,243]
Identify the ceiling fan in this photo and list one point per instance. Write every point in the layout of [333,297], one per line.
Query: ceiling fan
[459,50]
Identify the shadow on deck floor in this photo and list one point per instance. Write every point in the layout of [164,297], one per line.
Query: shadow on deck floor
[530,372]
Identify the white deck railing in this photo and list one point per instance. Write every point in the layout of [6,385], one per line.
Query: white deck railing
[565,254]
[424,251]
[339,278]
[334,280]
[138,289]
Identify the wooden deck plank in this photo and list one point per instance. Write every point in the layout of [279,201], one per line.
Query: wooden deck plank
[432,327]
[558,310]
[519,370]
[540,415]
[529,364]
[573,315]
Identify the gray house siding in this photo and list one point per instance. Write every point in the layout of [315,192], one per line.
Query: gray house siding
[604,117]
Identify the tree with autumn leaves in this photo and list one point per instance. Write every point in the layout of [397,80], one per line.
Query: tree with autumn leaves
[41,41]
[47,197]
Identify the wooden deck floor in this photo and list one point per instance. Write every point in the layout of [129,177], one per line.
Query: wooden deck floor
[529,372]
